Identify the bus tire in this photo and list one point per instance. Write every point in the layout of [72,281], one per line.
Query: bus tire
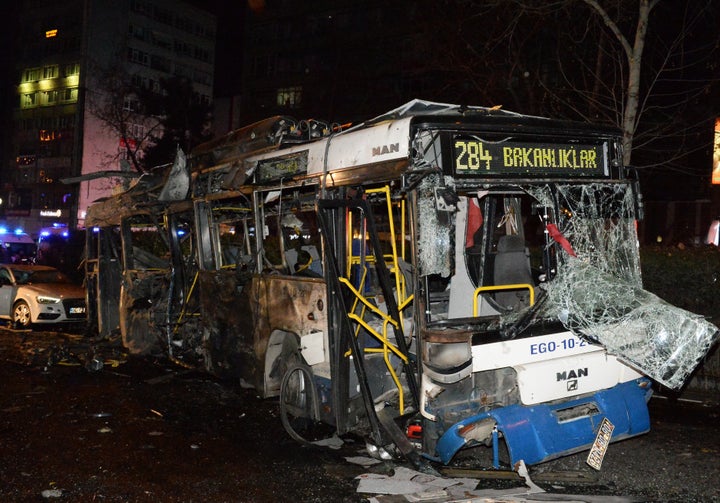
[298,401]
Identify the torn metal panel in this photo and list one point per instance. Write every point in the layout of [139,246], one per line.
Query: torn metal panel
[240,312]
[218,165]
[101,174]
[110,211]
[143,305]
[228,319]
[177,183]
[150,194]
[599,294]
[236,144]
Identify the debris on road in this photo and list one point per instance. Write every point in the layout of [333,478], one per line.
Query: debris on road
[51,493]
[406,485]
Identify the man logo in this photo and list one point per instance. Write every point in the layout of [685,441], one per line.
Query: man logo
[571,377]
[571,374]
[386,149]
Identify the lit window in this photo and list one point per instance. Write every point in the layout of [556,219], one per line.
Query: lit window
[29,100]
[25,160]
[72,69]
[48,135]
[31,75]
[50,72]
[69,95]
[290,97]
[131,104]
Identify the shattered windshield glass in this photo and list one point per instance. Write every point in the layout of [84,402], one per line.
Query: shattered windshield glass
[598,293]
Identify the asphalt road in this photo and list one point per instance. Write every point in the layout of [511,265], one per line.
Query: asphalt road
[85,422]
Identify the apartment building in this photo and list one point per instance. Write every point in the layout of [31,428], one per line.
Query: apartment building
[62,153]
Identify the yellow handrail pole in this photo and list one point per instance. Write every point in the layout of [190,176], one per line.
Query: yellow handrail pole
[399,278]
[357,296]
[366,302]
[187,299]
[380,337]
[494,288]
[395,378]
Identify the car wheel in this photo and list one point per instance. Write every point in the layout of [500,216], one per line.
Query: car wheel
[21,314]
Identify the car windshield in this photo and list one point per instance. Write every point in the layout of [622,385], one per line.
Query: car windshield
[29,276]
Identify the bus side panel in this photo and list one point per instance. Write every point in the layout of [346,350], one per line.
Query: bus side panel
[103,279]
[228,322]
[296,308]
[143,309]
[243,323]
[107,290]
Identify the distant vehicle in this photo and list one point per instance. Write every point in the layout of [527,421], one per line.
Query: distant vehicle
[63,249]
[36,294]
[16,247]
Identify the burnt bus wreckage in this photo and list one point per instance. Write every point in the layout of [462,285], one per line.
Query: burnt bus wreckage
[437,279]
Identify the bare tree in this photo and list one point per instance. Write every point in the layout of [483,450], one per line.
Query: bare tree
[633,56]
[118,101]
[645,73]
[184,119]
[672,60]
[642,65]
[150,119]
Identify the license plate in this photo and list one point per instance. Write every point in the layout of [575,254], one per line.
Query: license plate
[599,447]
[77,310]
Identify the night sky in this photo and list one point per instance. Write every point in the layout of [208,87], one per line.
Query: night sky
[228,46]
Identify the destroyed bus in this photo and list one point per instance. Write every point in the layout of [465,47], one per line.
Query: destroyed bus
[439,278]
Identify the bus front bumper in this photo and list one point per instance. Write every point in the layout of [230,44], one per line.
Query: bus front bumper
[543,432]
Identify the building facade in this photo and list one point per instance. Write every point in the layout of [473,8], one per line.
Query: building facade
[346,59]
[64,150]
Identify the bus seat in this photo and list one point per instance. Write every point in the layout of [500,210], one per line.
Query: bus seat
[297,261]
[316,265]
[512,266]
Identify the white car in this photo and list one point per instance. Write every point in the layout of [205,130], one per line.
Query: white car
[37,294]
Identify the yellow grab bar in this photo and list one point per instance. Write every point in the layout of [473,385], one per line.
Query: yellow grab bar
[494,288]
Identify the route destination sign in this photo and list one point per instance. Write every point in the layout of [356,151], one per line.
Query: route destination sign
[476,157]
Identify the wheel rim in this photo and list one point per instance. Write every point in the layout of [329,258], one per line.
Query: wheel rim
[298,403]
[22,314]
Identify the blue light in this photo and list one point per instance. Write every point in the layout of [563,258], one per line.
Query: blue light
[45,234]
[96,229]
[18,231]
[3,230]
[65,234]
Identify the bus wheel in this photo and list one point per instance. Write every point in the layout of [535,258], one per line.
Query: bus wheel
[299,403]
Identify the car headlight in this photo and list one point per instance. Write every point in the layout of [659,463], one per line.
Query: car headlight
[46,299]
